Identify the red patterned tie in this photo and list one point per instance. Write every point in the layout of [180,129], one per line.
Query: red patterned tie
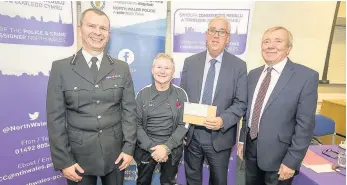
[259,103]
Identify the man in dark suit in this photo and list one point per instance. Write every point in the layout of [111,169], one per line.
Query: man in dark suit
[214,77]
[278,126]
[91,109]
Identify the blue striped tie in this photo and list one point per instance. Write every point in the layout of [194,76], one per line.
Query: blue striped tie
[209,82]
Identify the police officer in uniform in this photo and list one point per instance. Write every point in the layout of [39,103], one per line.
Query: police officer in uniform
[91,109]
[160,124]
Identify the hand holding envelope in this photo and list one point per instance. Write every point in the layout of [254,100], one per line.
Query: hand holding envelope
[202,115]
[215,123]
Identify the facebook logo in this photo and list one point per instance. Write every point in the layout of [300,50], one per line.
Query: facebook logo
[126,55]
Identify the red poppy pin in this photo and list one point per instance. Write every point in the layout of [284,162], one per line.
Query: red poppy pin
[178,104]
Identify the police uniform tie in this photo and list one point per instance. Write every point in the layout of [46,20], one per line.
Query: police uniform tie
[94,68]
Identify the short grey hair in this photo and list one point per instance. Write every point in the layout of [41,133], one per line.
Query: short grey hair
[275,28]
[221,18]
[163,56]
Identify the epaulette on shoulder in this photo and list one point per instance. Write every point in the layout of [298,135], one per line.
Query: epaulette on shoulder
[109,57]
[73,61]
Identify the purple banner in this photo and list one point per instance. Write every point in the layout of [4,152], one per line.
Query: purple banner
[38,29]
[26,29]
[25,155]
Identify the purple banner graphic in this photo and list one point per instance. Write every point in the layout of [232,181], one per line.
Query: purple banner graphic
[193,42]
[25,153]
[36,31]
[27,32]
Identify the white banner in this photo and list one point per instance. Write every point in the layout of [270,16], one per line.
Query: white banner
[190,23]
[138,31]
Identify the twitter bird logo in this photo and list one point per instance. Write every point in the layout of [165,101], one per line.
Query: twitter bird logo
[34,116]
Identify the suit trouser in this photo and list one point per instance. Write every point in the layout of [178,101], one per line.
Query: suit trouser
[194,155]
[255,175]
[115,177]
[146,166]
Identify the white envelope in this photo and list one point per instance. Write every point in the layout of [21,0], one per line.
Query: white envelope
[195,113]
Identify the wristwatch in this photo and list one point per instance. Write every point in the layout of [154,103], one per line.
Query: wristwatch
[167,150]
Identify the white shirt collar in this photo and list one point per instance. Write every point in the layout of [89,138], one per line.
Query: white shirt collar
[218,58]
[89,57]
[277,67]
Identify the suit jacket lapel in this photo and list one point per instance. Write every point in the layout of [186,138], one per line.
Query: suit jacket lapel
[286,74]
[200,74]
[81,67]
[252,83]
[105,68]
[223,74]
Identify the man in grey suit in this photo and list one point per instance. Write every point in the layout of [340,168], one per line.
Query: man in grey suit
[278,126]
[214,77]
[91,109]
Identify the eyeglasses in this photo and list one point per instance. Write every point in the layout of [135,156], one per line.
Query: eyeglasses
[330,153]
[221,33]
